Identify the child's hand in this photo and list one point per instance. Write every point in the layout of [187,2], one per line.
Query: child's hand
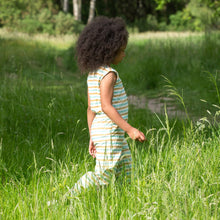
[135,134]
[92,150]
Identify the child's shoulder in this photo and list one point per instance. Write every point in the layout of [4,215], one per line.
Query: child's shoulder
[101,72]
[104,70]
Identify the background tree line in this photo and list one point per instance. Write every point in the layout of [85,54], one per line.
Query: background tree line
[69,16]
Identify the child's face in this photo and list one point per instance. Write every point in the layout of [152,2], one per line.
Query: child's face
[120,55]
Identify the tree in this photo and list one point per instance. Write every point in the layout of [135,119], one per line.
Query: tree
[77,5]
[65,6]
[91,10]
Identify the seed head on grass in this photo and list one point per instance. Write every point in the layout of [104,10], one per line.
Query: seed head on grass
[172,91]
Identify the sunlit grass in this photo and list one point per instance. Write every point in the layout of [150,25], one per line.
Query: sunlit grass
[60,42]
[65,41]
[138,38]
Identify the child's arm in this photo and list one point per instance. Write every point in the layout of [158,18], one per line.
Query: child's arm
[106,90]
[90,118]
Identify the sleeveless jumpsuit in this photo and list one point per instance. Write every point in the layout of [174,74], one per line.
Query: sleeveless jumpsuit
[113,155]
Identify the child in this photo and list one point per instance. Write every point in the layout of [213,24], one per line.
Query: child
[102,43]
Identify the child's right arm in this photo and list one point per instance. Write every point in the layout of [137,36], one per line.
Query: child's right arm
[90,118]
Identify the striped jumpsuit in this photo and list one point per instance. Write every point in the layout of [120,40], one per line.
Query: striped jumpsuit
[113,155]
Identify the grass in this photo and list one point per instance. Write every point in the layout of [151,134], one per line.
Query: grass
[44,135]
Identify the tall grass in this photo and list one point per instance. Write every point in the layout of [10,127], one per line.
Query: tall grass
[44,136]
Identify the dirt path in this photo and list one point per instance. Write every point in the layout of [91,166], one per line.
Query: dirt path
[157,105]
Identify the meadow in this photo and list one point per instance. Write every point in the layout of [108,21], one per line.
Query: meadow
[44,136]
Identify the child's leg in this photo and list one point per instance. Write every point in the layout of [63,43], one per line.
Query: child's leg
[106,162]
[87,180]
[125,163]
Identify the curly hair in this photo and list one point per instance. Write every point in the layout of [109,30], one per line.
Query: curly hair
[99,42]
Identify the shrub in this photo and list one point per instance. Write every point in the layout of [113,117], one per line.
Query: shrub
[46,18]
[78,27]
[9,14]
[162,26]
[29,25]
[197,16]
[65,24]
[46,22]
[48,28]
[147,23]
[152,23]
[179,21]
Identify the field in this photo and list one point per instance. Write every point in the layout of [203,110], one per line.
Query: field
[44,136]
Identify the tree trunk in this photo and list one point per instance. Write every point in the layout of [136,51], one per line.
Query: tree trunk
[66,6]
[77,5]
[91,10]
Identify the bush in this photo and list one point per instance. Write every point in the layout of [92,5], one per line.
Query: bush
[30,25]
[38,17]
[65,24]
[162,26]
[9,14]
[152,23]
[46,18]
[148,23]
[48,28]
[47,22]
[196,17]
[179,21]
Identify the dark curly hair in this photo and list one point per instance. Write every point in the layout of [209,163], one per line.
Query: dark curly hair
[99,42]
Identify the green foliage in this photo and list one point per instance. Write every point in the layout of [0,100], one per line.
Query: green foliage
[37,17]
[29,25]
[144,15]
[46,22]
[10,12]
[46,19]
[34,7]
[197,16]
[152,23]
[201,14]
[146,24]
[180,21]
[65,24]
